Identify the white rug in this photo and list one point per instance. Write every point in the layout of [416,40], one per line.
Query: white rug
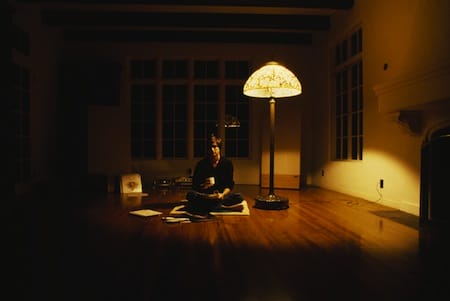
[179,210]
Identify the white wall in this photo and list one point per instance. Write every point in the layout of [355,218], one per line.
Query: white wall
[408,36]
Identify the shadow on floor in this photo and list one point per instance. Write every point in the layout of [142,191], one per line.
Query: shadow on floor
[400,217]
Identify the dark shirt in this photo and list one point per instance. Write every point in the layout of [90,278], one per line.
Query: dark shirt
[222,173]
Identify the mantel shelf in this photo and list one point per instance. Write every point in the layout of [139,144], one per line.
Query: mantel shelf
[412,91]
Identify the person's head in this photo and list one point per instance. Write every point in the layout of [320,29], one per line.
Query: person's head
[214,147]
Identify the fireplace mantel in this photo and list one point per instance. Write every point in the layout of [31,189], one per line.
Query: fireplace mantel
[415,90]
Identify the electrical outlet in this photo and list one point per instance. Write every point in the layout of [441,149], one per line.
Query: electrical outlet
[381,183]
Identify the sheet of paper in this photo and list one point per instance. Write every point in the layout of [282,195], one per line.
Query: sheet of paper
[145,212]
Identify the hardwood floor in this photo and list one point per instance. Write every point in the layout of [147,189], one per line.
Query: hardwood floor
[326,246]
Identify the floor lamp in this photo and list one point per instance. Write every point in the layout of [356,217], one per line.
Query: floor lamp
[272,81]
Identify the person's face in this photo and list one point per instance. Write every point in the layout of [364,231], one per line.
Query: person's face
[214,150]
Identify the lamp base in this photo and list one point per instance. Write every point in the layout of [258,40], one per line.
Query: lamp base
[271,202]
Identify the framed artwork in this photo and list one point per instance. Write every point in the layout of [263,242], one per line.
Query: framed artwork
[130,183]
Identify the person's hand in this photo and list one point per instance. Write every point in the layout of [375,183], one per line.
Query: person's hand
[209,182]
[215,195]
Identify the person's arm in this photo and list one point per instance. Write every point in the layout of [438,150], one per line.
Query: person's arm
[224,193]
[198,177]
[219,195]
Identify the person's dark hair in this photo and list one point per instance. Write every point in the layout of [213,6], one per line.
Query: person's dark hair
[215,139]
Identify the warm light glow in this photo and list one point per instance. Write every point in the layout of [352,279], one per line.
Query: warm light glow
[272,81]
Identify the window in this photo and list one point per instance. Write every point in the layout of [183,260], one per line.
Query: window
[206,109]
[143,108]
[348,103]
[173,100]
[236,110]
[174,122]
[236,122]
[143,121]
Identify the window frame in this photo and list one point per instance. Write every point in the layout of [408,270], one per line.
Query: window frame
[348,101]
[200,72]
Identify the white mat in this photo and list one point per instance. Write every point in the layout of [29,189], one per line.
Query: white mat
[179,210]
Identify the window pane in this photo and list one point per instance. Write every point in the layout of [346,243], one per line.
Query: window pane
[360,73]
[354,44]
[338,127]
[354,100]
[206,69]
[360,40]
[338,149]
[174,69]
[237,70]
[180,130]
[344,51]
[354,148]
[149,69]
[344,126]
[361,148]
[149,130]
[344,103]
[345,148]
[338,55]
[149,150]
[199,148]
[180,149]
[354,72]
[354,124]
[338,105]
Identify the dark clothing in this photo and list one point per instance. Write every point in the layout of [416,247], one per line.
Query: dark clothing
[222,173]
[198,203]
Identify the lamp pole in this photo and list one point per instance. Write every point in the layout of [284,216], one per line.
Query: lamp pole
[272,146]
[271,201]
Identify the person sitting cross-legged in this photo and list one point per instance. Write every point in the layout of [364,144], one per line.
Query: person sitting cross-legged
[213,183]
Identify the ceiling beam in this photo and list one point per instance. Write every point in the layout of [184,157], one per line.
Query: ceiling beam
[319,4]
[180,36]
[184,20]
